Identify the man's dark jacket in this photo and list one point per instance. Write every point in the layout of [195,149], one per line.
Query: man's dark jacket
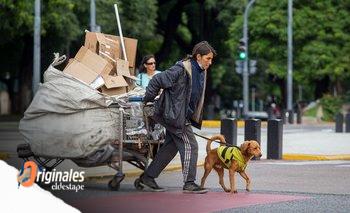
[172,106]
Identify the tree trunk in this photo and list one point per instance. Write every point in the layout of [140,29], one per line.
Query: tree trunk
[172,22]
[25,75]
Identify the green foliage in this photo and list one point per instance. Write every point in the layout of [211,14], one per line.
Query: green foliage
[321,37]
[331,106]
[321,40]
[311,112]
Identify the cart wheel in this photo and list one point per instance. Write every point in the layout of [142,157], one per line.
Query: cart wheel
[137,184]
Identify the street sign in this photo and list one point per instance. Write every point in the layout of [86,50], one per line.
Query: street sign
[252,67]
[239,66]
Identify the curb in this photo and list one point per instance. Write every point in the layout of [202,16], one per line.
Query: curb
[217,123]
[138,172]
[315,157]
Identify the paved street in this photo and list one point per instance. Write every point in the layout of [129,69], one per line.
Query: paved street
[277,185]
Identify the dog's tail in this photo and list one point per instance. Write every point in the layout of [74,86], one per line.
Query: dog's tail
[221,138]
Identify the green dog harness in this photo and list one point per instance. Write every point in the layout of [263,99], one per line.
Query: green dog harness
[227,154]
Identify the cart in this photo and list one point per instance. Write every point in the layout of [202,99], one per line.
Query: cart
[135,146]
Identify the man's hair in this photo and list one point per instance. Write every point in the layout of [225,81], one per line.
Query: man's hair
[202,48]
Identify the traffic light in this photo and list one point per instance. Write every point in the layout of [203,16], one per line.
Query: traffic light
[242,50]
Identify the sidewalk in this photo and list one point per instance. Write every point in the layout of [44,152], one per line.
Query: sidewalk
[300,142]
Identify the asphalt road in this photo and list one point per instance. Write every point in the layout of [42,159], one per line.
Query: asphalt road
[277,186]
[318,186]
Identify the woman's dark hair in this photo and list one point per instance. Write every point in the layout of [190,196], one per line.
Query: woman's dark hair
[142,68]
[201,48]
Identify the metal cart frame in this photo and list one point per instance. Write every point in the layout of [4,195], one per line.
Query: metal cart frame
[138,160]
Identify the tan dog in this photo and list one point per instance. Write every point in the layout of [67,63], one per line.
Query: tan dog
[236,161]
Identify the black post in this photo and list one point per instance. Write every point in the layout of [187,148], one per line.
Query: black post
[299,114]
[347,122]
[274,139]
[229,130]
[252,131]
[339,120]
[291,116]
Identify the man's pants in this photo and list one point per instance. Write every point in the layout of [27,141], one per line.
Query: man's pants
[188,148]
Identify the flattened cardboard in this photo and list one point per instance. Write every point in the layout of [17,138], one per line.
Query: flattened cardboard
[115,81]
[123,69]
[130,48]
[97,42]
[80,71]
[113,91]
[95,62]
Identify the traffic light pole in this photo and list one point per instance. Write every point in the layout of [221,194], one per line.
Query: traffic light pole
[245,67]
[92,16]
[290,57]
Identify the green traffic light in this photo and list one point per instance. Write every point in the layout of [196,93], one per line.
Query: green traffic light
[242,55]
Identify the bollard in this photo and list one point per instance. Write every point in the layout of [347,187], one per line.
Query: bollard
[274,139]
[229,130]
[299,115]
[347,122]
[290,116]
[252,131]
[339,120]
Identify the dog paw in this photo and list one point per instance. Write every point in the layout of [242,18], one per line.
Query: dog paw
[234,192]
[227,190]
[248,190]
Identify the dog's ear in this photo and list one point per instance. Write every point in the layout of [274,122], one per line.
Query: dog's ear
[245,146]
[223,139]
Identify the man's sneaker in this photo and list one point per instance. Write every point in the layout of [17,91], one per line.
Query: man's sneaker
[150,183]
[192,187]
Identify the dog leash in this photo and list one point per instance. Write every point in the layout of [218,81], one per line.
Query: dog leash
[226,144]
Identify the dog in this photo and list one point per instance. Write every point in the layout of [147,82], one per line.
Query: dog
[223,157]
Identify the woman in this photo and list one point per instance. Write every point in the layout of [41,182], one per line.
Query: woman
[147,70]
[180,105]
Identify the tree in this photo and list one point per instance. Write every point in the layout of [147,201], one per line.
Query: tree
[321,38]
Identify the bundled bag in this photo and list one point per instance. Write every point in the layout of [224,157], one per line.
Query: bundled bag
[68,119]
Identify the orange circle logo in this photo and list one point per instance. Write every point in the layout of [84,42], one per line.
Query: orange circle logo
[27,174]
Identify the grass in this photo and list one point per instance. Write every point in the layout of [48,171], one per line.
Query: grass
[311,112]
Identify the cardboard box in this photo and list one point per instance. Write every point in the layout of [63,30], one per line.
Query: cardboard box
[130,48]
[113,91]
[114,85]
[98,42]
[123,69]
[80,72]
[115,81]
[88,67]
[95,62]
[105,47]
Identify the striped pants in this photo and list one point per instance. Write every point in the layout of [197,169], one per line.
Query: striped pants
[188,148]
